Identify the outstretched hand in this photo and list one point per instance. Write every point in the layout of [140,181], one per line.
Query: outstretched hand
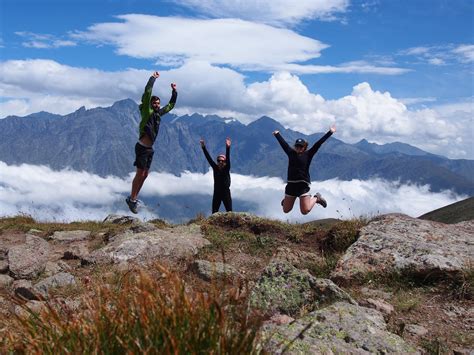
[156,75]
[333,128]
[275,132]
[227,142]
[202,142]
[173,86]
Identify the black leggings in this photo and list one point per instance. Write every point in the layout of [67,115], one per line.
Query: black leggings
[221,196]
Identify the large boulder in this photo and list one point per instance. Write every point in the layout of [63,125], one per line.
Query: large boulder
[282,288]
[28,260]
[341,328]
[399,243]
[175,242]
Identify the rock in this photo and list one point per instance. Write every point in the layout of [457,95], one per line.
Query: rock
[58,280]
[415,329]
[71,236]
[380,305]
[28,260]
[117,219]
[174,242]
[136,225]
[282,288]
[280,319]
[24,289]
[3,266]
[399,243]
[6,281]
[214,270]
[341,328]
[76,251]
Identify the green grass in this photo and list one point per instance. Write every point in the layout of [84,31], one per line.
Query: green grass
[142,315]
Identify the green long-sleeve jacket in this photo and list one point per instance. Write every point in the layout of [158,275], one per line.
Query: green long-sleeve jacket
[150,122]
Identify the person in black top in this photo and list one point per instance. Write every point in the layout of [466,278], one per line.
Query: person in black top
[299,181]
[221,172]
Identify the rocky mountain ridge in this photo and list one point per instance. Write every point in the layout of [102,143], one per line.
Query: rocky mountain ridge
[101,141]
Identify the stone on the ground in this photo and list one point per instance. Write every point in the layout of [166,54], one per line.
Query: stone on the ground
[28,260]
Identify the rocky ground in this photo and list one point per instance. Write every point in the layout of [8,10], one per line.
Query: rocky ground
[394,284]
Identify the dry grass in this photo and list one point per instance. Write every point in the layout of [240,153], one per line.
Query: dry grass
[141,314]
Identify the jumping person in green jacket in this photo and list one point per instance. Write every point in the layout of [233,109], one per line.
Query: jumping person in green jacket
[151,113]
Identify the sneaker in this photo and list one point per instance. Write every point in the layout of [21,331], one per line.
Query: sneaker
[320,200]
[133,205]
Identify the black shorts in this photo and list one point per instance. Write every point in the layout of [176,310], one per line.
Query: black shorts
[143,156]
[297,189]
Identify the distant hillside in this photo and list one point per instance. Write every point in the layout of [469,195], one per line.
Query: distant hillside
[454,213]
[101,141]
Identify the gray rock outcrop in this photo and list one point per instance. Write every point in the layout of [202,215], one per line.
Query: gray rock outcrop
[282,288]
[399,243]
[177,242]
[341,328]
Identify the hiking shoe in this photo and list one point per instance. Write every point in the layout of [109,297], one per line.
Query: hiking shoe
[133,205]
[320,200]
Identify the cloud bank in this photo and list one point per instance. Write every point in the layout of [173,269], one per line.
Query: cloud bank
[67,195]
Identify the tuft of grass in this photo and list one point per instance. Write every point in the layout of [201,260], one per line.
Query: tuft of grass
[406,301]
[462,284]
[142,315]
[322,267]
[341,236]
[434,346]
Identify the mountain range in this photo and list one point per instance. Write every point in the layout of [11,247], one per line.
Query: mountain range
[102,140]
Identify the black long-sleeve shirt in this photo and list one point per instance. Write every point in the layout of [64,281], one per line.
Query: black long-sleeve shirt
[298,164]
[221,176]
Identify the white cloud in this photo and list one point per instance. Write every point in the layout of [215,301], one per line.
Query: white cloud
[278,12]
[218,41]
[41,41]
[66,195]
[442,54]
[238,43]
[466,51]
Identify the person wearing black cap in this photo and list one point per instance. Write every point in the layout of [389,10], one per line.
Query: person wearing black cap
[221,171]
[299,180]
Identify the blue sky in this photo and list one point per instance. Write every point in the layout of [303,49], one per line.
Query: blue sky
[381,70]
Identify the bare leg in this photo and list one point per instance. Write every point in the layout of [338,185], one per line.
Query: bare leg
[137,182]
[288,203]
[307,203]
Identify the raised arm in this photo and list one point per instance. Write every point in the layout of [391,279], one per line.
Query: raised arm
[227,152]
[171,103]
[282,142]
[206,154]
[320,142]
[146,97]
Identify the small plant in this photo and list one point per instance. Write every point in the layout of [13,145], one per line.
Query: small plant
[462,284]
[406,301]
[343,235]
[434,346]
